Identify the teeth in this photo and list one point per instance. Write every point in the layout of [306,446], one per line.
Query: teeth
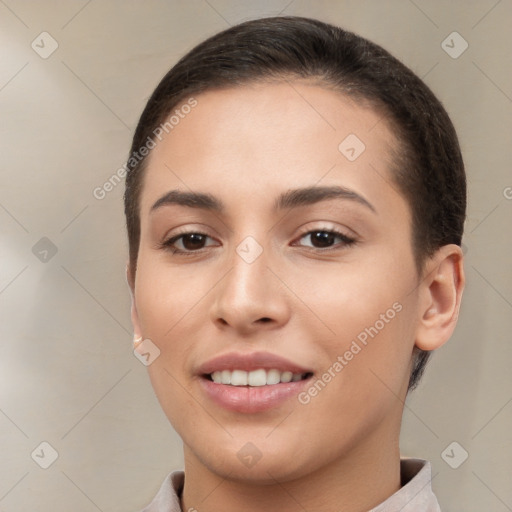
[273,377]
[239,378]
[286,376]
[255,378]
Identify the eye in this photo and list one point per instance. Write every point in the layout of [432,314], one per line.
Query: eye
[192,242]
[186,243]
[326,239]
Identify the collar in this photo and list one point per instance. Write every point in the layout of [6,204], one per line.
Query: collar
[415,495]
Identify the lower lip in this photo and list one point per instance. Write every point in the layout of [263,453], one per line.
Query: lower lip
[251,399]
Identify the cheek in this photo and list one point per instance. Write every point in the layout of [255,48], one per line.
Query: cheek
[167,298]
[369,362]
[167,307]
[182,408]
[346,300]
[365,378]
[367,318]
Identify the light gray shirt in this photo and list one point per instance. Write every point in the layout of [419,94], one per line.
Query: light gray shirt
[415,494]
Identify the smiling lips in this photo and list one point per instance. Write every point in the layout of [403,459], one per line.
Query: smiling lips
[251,383]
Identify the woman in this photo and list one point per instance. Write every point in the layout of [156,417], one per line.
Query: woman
[295,204]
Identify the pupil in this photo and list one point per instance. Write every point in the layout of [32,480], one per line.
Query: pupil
[196,240]
[324,238]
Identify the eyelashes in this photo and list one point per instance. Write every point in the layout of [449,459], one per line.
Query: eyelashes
[327,235]
[190,236]
[192,242]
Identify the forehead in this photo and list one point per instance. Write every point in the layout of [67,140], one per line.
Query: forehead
[252,142]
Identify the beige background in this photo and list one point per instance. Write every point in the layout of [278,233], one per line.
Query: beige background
[67,373]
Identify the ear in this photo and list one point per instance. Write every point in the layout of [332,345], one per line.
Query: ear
[130,279]
[440,297]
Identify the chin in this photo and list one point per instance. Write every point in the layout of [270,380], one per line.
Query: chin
[264,472]
[260,462]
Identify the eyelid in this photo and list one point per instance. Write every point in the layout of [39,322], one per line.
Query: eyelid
[168,241]
[188,229]
[327,227]
[324,225]
[347,239]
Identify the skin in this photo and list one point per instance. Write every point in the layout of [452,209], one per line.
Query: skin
[246,146]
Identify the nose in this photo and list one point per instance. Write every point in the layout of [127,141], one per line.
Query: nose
[251,297]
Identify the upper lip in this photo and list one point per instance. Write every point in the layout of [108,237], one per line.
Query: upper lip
[249,362]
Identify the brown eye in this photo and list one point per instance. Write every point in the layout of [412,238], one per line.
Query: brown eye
[193,241]
[187,243]
[325,239]
[322,238]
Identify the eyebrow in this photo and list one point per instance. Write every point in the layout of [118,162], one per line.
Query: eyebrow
[290,199]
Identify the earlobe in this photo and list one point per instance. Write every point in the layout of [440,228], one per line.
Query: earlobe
[129,277]
[441,293]
[137,332]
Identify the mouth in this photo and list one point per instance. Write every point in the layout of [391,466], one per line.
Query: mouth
[253,382]
[255,378]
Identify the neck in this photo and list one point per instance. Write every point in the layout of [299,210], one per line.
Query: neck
[358,481]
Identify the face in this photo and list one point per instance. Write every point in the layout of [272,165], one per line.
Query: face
[284,299]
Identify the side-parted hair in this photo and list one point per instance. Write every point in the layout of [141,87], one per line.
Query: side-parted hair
[427,163]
